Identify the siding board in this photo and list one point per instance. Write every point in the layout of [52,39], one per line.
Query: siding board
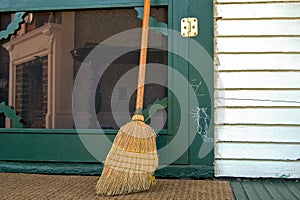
[257,169]
[262,61]
[258,44]
[258,151]
[283,98]
[256,11]
[258,80]
[263,116]
[262,134]
[258,27]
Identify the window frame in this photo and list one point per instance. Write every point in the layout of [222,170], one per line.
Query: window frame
[68,5]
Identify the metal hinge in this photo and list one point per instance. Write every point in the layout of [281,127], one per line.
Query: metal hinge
[189,27]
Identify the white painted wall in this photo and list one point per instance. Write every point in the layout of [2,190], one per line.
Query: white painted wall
[257,88]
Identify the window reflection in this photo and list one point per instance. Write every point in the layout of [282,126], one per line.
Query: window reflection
[37,70]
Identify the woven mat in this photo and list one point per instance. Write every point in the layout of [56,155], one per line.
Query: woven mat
[31,186]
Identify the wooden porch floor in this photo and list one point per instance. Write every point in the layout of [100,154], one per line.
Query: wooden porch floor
[265,189]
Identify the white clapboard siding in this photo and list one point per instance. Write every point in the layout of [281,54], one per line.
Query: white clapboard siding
[220,102]
[258,27]
[257,80]
[263,134]
[257,169]
[260,10]
[257,151]
[278,116]
[257,88]
[258,61]
[253,1]
[258,44]
[283,98]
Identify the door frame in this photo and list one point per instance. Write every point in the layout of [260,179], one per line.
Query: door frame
[194,167]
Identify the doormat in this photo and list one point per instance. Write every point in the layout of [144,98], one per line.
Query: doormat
[32,186]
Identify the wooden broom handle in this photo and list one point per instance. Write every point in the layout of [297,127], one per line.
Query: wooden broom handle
[143,59]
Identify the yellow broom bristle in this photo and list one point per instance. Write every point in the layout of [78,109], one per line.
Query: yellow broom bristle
[131,162]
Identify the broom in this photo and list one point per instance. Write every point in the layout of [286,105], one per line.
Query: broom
[132,160]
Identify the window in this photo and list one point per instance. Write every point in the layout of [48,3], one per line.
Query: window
[39,66]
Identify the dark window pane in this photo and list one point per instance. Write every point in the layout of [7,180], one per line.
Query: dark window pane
[38,70]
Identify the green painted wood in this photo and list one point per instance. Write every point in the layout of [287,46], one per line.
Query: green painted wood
[186,171]
[65,145]
[56,145]
[66,131]
[272,189]
[44,147]
[179,113]
[238,190]
[265,189]
[174,171]
[292,187]
[153,23]
[13,27]
[250,191]
[37,5]
[285,192]
[51,168]
[201,78]
[57,131]
[261,190]
[10,113]
[151,109]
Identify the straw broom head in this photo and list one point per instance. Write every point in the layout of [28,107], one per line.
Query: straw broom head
[131,162]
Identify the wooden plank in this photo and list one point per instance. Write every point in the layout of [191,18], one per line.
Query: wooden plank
[271,10]
[288,134]
[257,27]
[220,102]
[257,169]
[272,189]
[264,189]
[259,151]
[263,80]
[263,116]
[238,190]
[257,98]
[258,44]
[260,190]
[292,187]
[284,192]
[257,61]
[250,191]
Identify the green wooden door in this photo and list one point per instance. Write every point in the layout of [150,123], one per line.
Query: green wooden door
[201,78]
[194,61]
[192,113]
[185,143]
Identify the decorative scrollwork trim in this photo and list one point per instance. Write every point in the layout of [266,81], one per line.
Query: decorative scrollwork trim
[14,26]
[10,113]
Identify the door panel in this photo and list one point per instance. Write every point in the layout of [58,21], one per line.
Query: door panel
[201,70]
[187,135]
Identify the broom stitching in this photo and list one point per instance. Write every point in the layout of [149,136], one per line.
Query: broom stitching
[141,158]
[116,148]
[132,162]
[121,169]
[139,136]
[129,133]
[128,162]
